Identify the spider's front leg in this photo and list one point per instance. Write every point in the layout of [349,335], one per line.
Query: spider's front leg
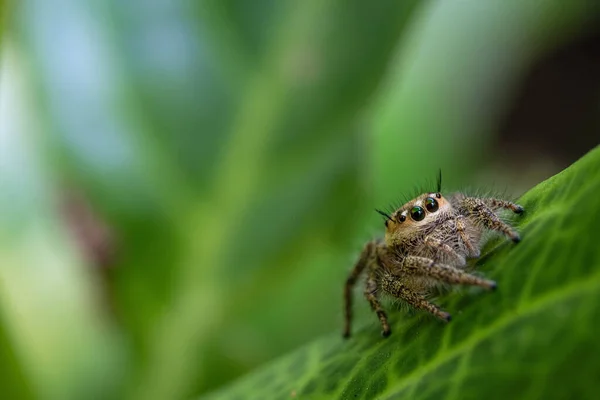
[424,266]
[395,286]
[421,266]
[367,257]
[480,210]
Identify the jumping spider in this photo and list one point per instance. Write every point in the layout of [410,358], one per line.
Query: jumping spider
[427,241]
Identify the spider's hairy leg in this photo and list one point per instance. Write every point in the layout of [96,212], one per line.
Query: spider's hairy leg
[424,266]
[481,213]
[394,286]
[366,257]
[498,203]
[438,244]
[461,228]
[371,295]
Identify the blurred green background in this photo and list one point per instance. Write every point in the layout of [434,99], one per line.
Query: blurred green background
[184,185]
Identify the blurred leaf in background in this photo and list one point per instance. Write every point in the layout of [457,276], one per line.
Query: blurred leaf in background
[185,183]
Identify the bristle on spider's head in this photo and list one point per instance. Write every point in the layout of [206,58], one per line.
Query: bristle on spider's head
[439,181]
[386,215]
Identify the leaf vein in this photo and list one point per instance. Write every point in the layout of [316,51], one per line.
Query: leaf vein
[574,289]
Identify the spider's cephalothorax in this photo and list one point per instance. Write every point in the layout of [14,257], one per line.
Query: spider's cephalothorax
[427,241]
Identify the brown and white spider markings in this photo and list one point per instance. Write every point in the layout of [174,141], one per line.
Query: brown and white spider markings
[427,241]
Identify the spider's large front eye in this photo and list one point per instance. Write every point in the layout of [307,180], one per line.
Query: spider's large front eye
[417,213]
[431,204]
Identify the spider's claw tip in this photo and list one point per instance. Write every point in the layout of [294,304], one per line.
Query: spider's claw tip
[386,333]
[519,209]
[516,239]
[493,285]
[446,317]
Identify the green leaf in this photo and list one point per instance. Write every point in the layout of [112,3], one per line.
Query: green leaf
[533,338]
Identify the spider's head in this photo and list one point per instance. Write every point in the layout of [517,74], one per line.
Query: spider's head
[415,216]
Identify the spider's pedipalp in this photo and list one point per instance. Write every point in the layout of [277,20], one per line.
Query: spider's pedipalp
[446,249]
[461,227]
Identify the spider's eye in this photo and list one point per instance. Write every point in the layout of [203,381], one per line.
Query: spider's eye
[431,204]
[402,218]
[417,213]
[438,195]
